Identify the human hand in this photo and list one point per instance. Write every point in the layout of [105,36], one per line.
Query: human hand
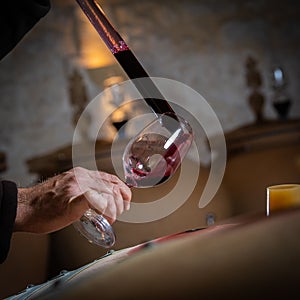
[63,199]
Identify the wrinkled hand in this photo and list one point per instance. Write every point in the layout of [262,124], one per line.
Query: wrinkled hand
[63,199]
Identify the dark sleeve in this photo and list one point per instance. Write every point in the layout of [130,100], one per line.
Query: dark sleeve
[17,17]
[8,210]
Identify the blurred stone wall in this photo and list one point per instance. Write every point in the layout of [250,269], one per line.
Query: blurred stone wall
[203,44]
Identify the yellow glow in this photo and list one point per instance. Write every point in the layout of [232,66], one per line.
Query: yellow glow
[282,196]
[118,116]
[92,59]
[93,51]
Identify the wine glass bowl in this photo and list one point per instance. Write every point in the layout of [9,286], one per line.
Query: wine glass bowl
[149,159]
[154,155]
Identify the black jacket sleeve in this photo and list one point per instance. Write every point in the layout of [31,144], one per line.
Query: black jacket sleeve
[17,17]
[8,210]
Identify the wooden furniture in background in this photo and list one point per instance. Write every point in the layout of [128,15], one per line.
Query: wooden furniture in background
[261,155]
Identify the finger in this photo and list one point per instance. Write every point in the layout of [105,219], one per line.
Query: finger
[126,205]
[111,210]
[118,200]
[93,180]
[96,200]
[126,195]
[110,178]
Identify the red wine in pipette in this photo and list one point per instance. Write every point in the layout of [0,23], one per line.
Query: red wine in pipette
[147,88]
[125,57]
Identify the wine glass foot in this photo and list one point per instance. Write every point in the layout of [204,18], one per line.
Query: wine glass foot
[96,229]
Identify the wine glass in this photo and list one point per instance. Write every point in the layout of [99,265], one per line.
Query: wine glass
[281,100]
[149,159]
[153,156]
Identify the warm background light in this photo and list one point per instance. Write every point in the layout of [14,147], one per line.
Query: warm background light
[93,51]
[282,196]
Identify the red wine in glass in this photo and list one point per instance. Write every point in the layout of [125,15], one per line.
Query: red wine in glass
[155,154]
[151,169]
